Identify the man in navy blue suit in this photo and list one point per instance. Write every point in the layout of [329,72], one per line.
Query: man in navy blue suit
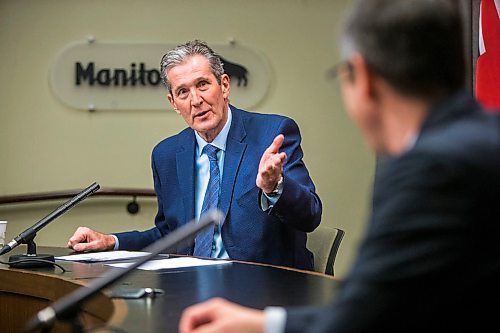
[246,164]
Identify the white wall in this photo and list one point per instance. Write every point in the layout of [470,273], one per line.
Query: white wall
[47,146]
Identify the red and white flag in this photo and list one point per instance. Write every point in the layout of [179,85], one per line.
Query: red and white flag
[488,63]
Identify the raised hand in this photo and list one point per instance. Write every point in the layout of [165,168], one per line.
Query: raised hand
[271,165]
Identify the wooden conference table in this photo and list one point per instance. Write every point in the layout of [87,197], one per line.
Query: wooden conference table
[23,292]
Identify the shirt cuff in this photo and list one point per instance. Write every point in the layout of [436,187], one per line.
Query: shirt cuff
[117,243]
[267,201]
[275,319]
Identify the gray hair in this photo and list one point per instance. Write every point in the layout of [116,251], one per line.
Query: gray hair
[416,45]
[182,52]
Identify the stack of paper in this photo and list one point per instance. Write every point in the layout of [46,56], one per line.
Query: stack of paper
[103,256]
[154,265]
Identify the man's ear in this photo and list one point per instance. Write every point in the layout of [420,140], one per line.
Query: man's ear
[172,102]
[225,82]
[364,76]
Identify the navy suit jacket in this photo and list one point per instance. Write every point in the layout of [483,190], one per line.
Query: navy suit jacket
[248,233]
[430,261]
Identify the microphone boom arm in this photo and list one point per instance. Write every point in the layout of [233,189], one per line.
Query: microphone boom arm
[27,236]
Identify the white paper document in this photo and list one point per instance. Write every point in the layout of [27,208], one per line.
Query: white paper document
[103,256]
[154,265]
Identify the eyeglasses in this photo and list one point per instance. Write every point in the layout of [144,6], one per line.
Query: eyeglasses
[336,70]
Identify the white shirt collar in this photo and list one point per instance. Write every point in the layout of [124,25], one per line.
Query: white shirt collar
[221,138]
[412,141]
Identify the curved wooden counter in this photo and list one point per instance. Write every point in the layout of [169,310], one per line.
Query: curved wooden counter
[24,292]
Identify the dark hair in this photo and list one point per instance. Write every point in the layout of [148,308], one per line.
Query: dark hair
[415,45]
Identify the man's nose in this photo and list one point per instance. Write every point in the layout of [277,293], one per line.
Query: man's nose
[196,99]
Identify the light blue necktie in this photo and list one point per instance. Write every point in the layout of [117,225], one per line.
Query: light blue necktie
[204,241]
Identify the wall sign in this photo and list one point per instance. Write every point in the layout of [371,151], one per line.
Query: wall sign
[94,75]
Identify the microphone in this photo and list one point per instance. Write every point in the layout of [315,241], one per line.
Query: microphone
[27,236]
[68,306]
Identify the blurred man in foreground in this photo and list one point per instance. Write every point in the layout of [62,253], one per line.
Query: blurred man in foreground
[430,261]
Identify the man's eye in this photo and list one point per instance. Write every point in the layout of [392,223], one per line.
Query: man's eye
[182,92]
[202,84]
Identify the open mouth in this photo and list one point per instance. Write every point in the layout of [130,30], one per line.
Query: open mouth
[201,114]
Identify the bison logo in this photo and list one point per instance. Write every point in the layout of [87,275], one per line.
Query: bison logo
[236,71]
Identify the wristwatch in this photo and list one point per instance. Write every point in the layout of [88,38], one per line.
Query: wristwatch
[277,189]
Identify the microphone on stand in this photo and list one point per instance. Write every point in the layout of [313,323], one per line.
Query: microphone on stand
[68,307]
[32,259]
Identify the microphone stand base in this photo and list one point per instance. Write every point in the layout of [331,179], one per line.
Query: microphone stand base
[31,260]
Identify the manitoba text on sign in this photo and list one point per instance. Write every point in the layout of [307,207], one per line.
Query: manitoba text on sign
[125,76]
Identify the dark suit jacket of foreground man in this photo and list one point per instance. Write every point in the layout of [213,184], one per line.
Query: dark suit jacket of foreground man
[248,233]
[431,258]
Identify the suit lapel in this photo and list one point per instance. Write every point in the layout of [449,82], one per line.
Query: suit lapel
[185,171]
[235,150]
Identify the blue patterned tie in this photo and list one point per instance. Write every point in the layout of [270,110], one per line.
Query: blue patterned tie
[204,240]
